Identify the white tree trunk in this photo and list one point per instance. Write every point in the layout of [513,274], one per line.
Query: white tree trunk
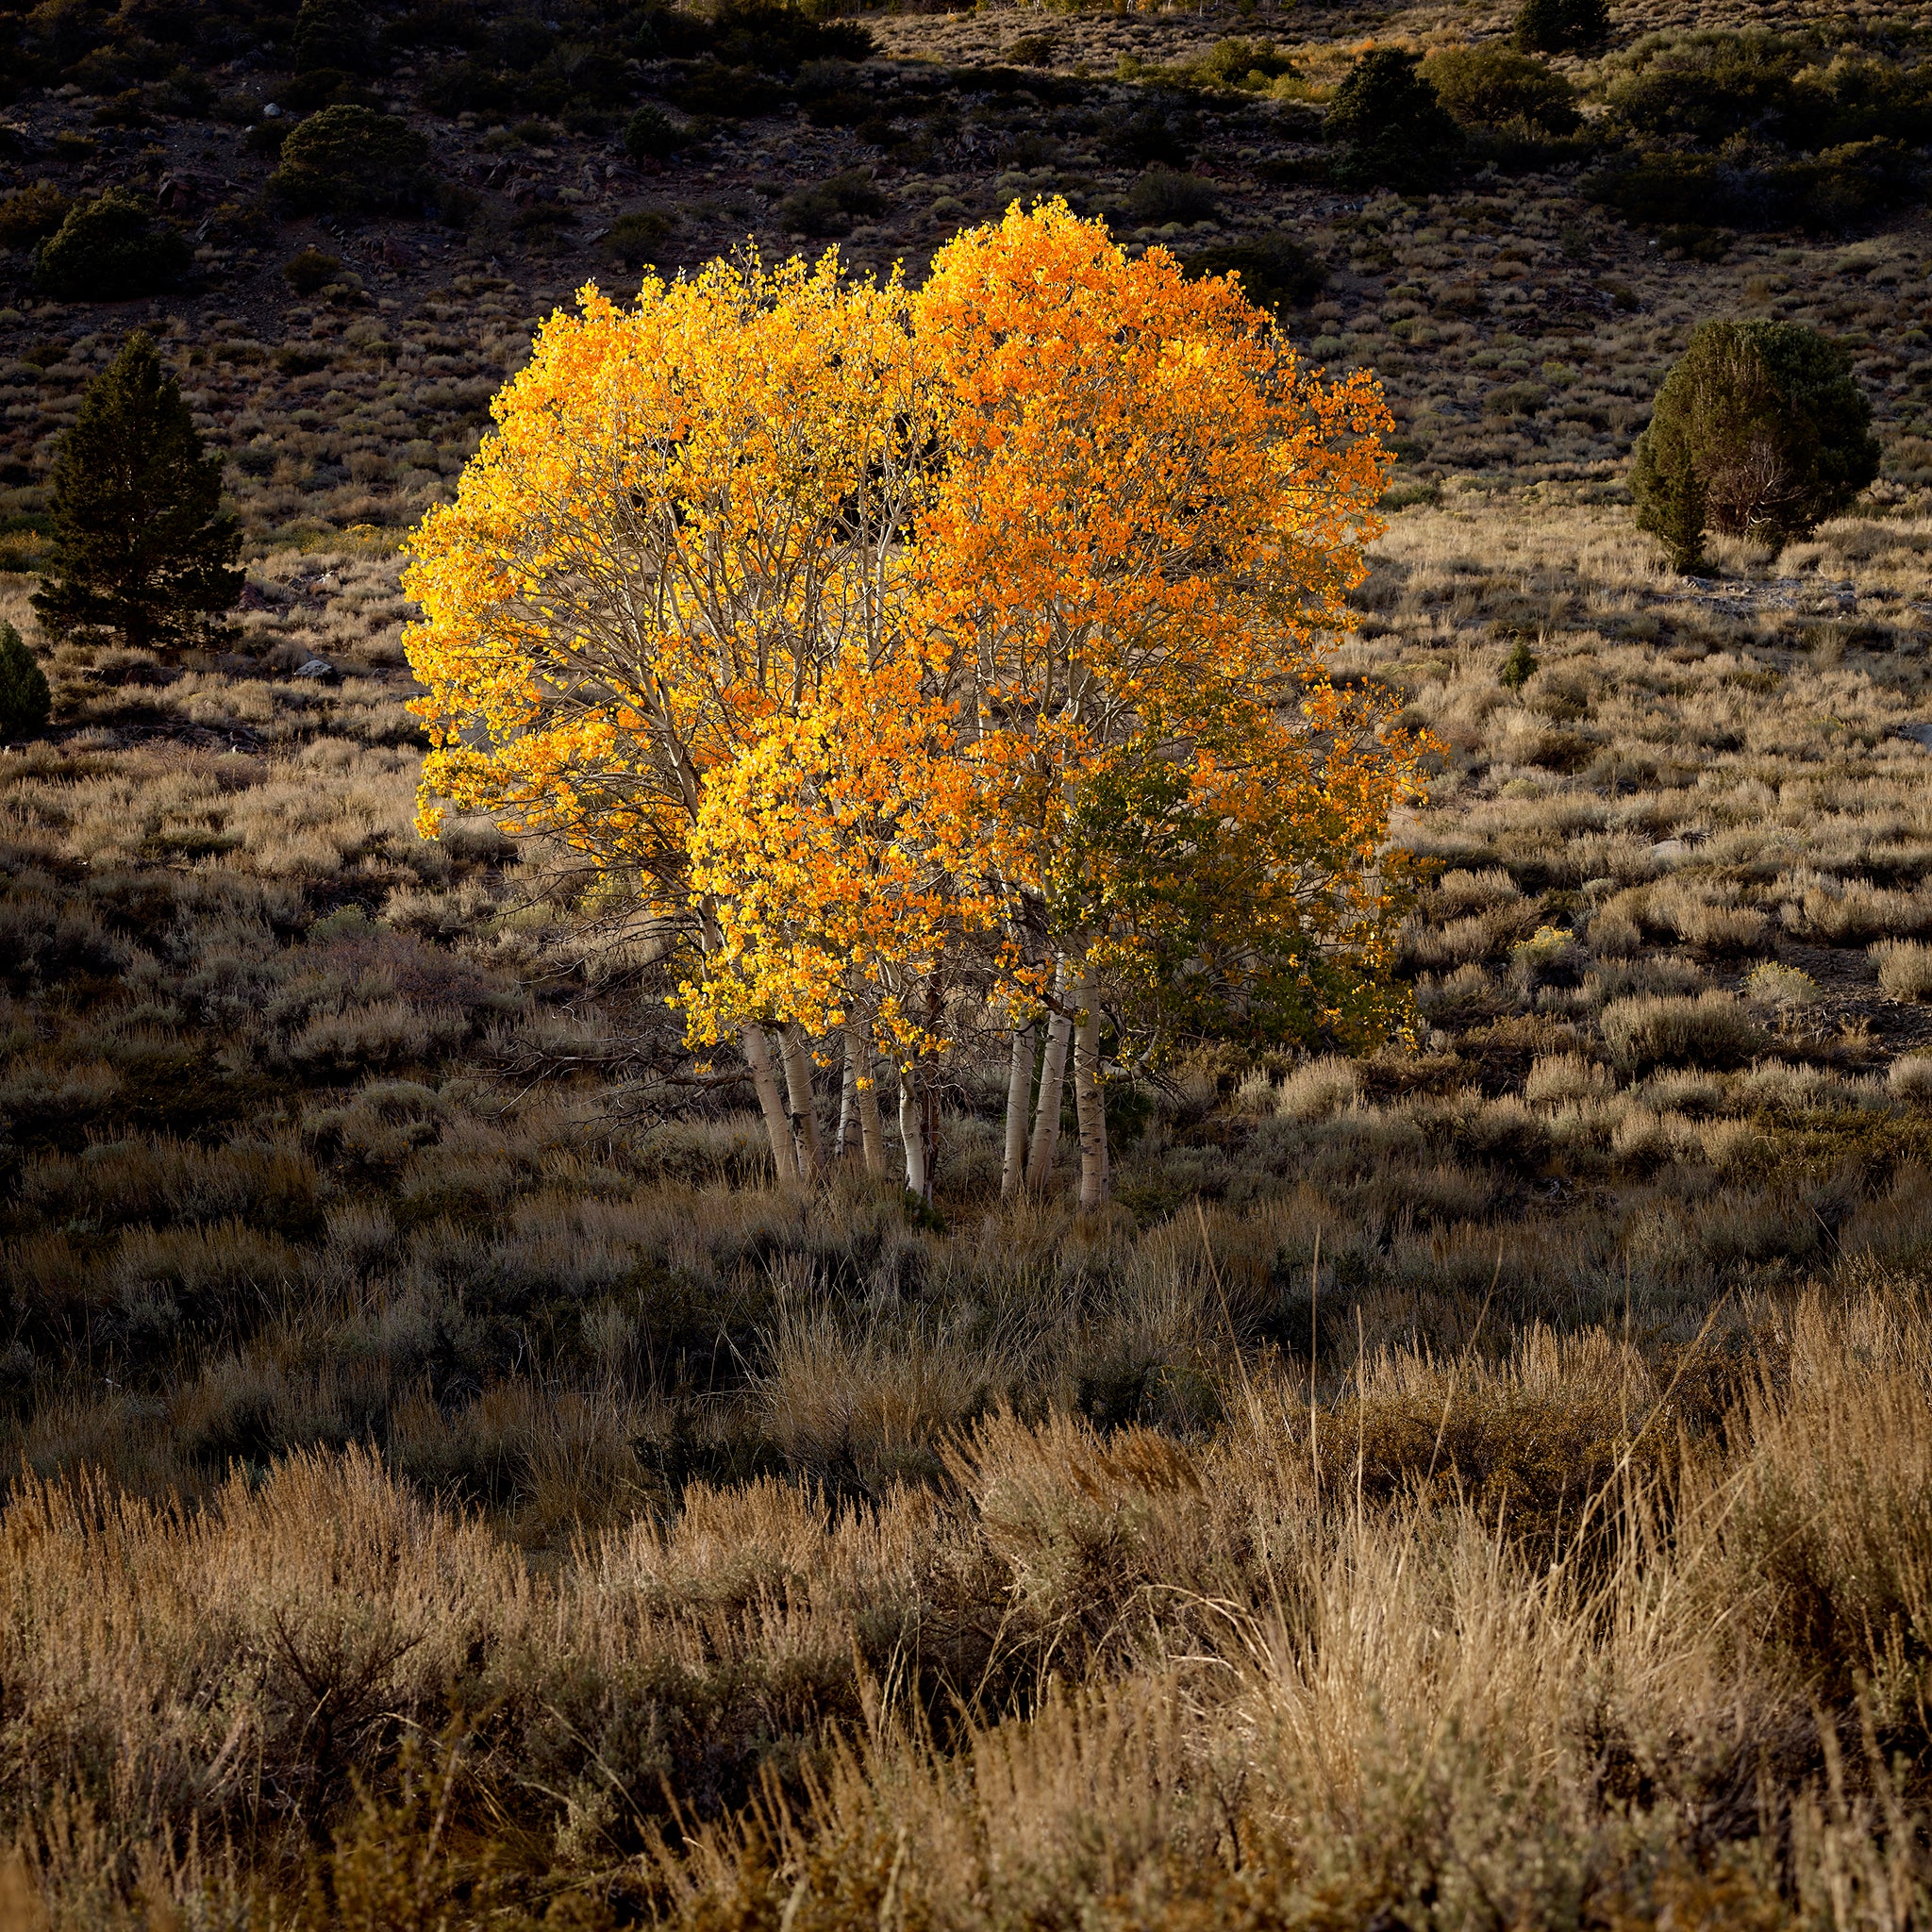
[764,1078]
[912,1135]
[871,1131]
[1052,1080]
[848,1099]
[805,1109]
[1019,1090]
[1088,1106]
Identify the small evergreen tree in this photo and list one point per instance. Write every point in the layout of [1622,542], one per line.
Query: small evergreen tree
[652,135]
[1393,128]
[1760,430]
[1555,26]
[25,700]
[142,545]
[1518,667]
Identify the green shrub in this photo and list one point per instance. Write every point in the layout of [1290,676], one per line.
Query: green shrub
[831,207]
[1253,66]
[348,158]
[1492,86]
[1515,399]
[312,270]
[109,250]
[1760,431]
[1390,125]
[472,86]
[1705,87]
[451,204]
[834,94]
[125,110]
[634,238]
[1555,26]
[652,135]
[30,213]
[1162,195]
[779,38]
[1712,87]
[1844,187]
[728,94]
[1144,137]
[1276,272]
[333,34]
[1748,189]
[26,702]
[598,80]
[1518,667]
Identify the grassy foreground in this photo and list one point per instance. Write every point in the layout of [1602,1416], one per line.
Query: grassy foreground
[1578,1635]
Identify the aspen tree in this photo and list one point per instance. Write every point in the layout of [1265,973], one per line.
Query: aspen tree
[938,653]
[688,510]
[823,848]
[1147,508]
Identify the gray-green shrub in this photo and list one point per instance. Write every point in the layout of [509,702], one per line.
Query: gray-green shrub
[348,158]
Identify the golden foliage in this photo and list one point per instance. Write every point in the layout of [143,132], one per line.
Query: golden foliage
[887,639]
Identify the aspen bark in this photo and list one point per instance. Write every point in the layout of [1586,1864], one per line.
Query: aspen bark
[871,1131]
[1052,1080]
[805,1108]
[912,1134]
[1019,1090]
[764,1079]
[848,1098]
[1088,1106]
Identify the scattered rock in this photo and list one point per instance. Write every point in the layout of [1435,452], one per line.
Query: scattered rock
[318,668]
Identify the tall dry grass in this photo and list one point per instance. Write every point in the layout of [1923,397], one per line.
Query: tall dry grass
[1579,1635]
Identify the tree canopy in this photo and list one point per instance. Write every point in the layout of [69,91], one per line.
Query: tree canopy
[935,662]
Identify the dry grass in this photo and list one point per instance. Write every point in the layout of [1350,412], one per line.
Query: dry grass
[1578,1633]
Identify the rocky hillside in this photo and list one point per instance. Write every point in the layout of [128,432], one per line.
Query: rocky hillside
[347,221]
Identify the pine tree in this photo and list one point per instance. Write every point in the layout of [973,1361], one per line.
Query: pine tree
[142,545]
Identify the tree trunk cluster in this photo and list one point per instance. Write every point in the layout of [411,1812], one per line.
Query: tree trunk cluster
[780,1062]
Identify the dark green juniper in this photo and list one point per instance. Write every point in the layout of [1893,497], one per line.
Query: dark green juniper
[142,545]
[1390,125]
[1760,431]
